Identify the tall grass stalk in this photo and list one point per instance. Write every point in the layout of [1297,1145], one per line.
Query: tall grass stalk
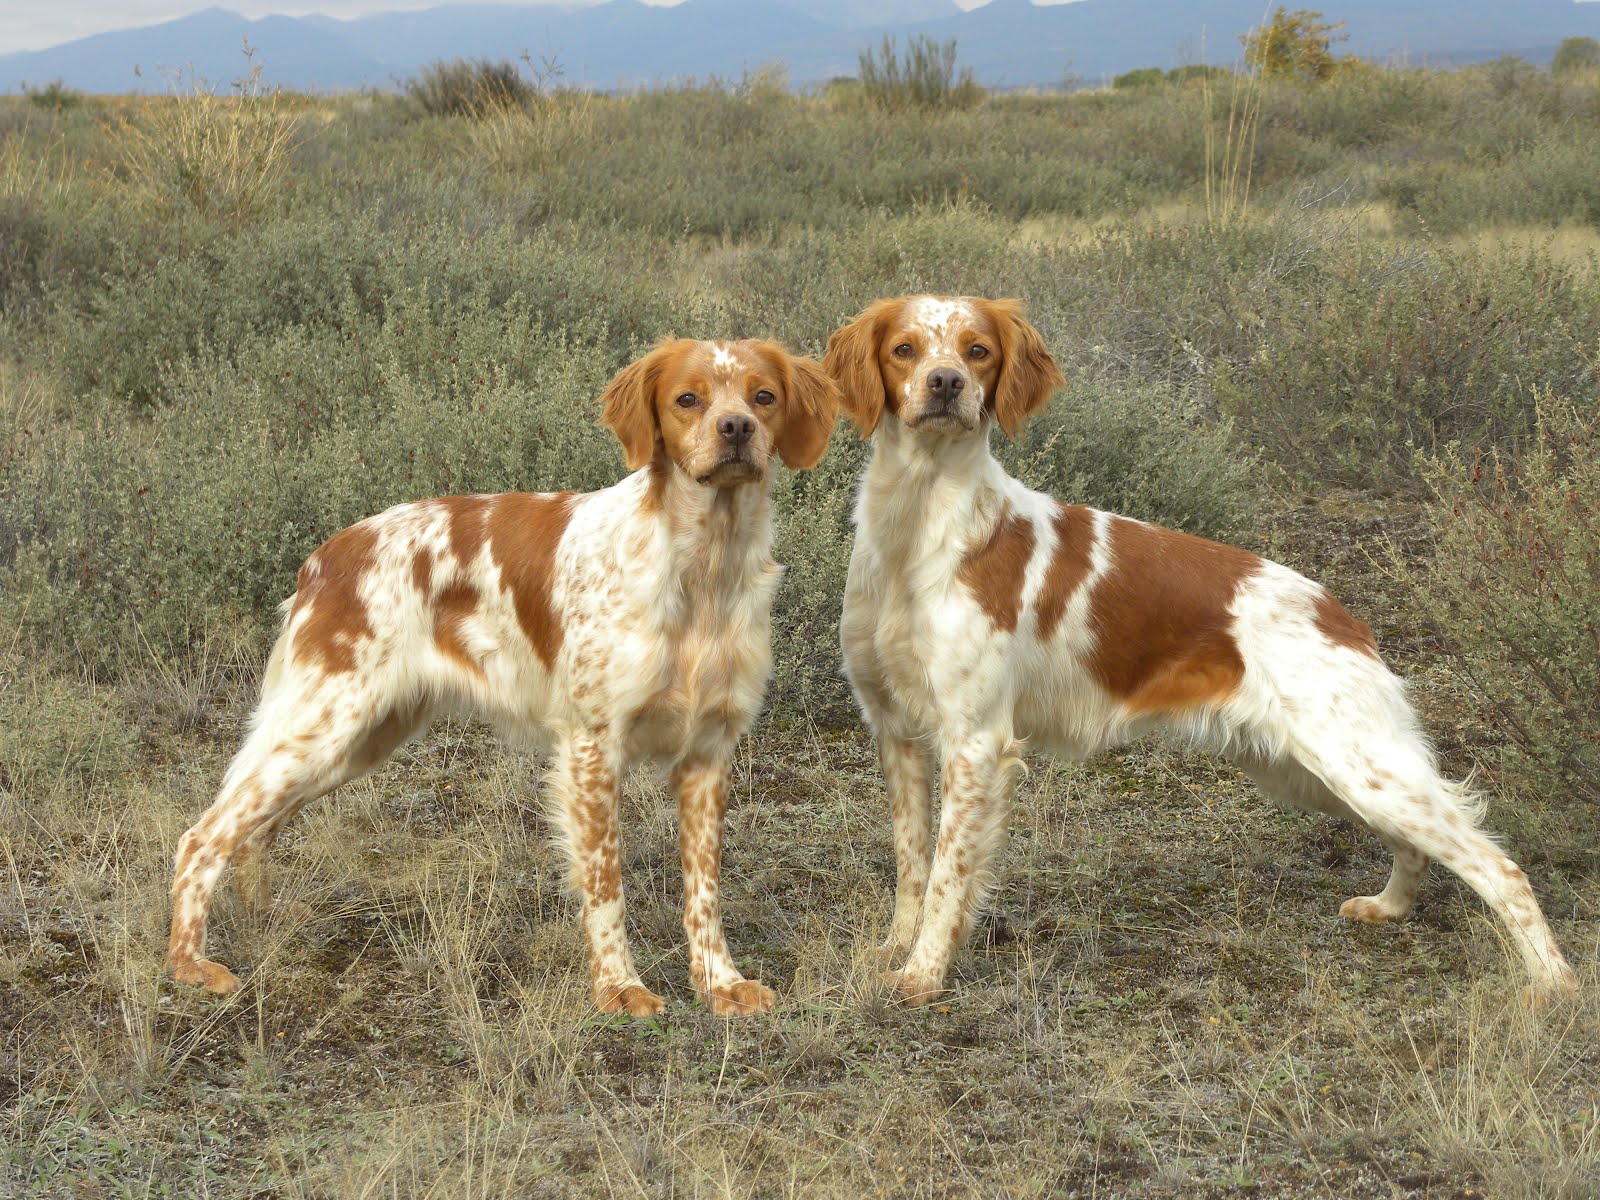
[1230,146]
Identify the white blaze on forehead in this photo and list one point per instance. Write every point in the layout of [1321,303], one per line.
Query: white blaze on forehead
[941,320]
[731,367]
[730,364]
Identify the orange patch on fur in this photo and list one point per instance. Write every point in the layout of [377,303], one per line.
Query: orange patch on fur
[422,572]
[1069,565]
[455,604]
[1161,618]
[469,524]
[524,532]
[994,572]
[1337,625]
[330,584]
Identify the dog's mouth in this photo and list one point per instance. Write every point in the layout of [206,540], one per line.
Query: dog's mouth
[732,469]
[946,420]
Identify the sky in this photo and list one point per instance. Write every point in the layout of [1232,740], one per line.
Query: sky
[31,25]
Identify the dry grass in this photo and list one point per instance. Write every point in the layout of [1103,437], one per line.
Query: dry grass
[222,154]
[1163,1001]
[1230,146]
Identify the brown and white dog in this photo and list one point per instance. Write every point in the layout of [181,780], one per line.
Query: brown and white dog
[980,615]
[627,624]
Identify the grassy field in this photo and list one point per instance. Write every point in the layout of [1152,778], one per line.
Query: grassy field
[230,326]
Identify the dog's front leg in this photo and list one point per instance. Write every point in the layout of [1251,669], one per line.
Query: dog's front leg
[979,777]
[909,778]
[586,773]
[702,787]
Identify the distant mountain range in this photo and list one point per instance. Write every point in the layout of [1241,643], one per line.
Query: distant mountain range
[623,43]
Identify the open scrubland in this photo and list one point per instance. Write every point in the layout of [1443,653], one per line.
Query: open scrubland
[231,326]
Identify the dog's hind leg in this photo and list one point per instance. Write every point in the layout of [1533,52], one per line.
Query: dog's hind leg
[1292,785]
[252,880]
[299,750]
[1391,783]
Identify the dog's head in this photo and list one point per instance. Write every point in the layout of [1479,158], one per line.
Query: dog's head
[942,364]
[719,411]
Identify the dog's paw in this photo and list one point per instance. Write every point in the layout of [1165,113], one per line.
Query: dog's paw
[746,998]
[201,972]
[1562,985]
[913,988]
[1367,911]
[632,998]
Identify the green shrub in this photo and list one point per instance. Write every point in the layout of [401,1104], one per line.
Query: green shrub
[55,96]
[1514,587]
[232,288]
[1143,77]
[1146,450]
[1355,368]
[1576,56]
[468,87]
[123,532]
[924,77]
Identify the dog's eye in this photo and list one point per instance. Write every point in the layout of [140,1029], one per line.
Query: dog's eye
[904,350]
[764,397]
[688,400]
[978,351]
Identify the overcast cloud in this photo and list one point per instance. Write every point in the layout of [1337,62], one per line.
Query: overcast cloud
[26,25]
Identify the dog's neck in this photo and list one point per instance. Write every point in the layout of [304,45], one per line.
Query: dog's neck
[717,540]
[928,495]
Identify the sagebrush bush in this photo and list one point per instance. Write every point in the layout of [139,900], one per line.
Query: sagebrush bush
[1514,587]
[127,533]
[924,76]
[1358,366]
[1146,450]
[55,96]
[468,87]
[329,271]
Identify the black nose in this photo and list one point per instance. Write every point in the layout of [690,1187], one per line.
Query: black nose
[945,386]
[736,430]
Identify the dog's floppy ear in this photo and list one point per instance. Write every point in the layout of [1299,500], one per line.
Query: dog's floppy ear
[852,359]
[628,406]
[1028,375]
[813,400]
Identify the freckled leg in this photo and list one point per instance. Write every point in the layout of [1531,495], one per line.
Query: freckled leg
[909,781]
[702,787]
[252,880]
[979,780]
[1411,806]
[1399,895]
[585,778]
[276,772]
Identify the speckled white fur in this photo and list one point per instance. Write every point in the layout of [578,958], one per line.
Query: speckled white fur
[662,591]
[1319,724]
